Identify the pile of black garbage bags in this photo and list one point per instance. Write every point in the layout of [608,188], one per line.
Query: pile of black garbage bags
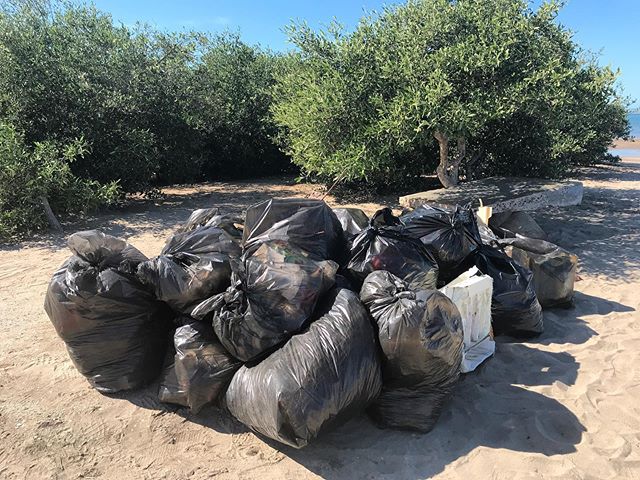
[293,318]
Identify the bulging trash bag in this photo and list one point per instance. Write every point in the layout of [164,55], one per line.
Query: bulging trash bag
[486,234]
[230,224]
[511,224]
[421,338]
[203,240]
[353,220]
[452,236]
[384,246]
[515,309]
[199,218]
[554,269]
[211,217]
[305,224]
[183,280]
[193,266]
[201,369]
[276,289]
[114,329]
[318,378]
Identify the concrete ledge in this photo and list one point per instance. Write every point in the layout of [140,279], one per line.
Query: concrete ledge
[503,194]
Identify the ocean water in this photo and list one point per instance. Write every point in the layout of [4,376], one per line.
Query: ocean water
[625,152]
[634,120]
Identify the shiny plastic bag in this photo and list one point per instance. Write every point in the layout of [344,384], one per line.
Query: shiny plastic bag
[319,378]
[512,224]
[554,269]
[515,309]
[201,369]
[353,220]
[305,224]
[211,217]
[421,338]
[199,218]
[193,266]
[451,235]
[383,246]
[276,289]
[203,240]
[114,329]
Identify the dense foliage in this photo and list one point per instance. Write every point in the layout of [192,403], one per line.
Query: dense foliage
[30,174]
[91,109]
[497,87]
[152,108]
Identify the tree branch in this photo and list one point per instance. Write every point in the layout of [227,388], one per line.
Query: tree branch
[441,137]
[462,150]
[51,218]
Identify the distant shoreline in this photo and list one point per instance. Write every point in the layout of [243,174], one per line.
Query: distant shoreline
[626,149]
[635,143]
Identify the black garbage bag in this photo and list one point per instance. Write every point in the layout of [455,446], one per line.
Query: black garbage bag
[421,339]
[201,369]
[230,224]
[486,234]
[211,217]
[114,329]
[342,281]
[199,218]
[515,309]
[193,266]
[317,379]
[510,224]
[452,236]
[353,220]
[203,240]
[305,224]
[276,289]
[384,246]
[553,268]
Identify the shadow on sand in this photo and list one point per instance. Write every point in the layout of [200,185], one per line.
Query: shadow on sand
[489,408]
[569,326]
[156,216]
[498,406]
[607,216]
[493,407]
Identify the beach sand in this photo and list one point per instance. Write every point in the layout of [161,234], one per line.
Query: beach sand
[565,405]
[634,144]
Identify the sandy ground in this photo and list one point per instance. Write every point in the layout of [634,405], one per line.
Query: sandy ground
[563,406]
[634,143]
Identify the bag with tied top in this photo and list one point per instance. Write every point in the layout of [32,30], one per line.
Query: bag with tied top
[384,246]
[421,338]
[319,378]
[275,290]
[114,328]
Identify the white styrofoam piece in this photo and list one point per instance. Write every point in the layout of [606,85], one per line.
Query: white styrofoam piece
[471,293]
[476,354]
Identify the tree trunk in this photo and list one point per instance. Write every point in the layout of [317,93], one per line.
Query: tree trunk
[472,165]
[448,168]
[53,221]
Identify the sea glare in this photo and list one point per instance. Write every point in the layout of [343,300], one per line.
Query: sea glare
[634,121]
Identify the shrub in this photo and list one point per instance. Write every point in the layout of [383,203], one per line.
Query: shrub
[460,73]
[154,108]
[229,108]
[27,175]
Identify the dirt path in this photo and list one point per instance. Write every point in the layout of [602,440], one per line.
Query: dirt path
[563,406]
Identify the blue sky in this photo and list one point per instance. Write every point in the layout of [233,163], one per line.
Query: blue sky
[611,27]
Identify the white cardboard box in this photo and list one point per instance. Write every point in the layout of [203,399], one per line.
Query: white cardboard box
[471,293]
